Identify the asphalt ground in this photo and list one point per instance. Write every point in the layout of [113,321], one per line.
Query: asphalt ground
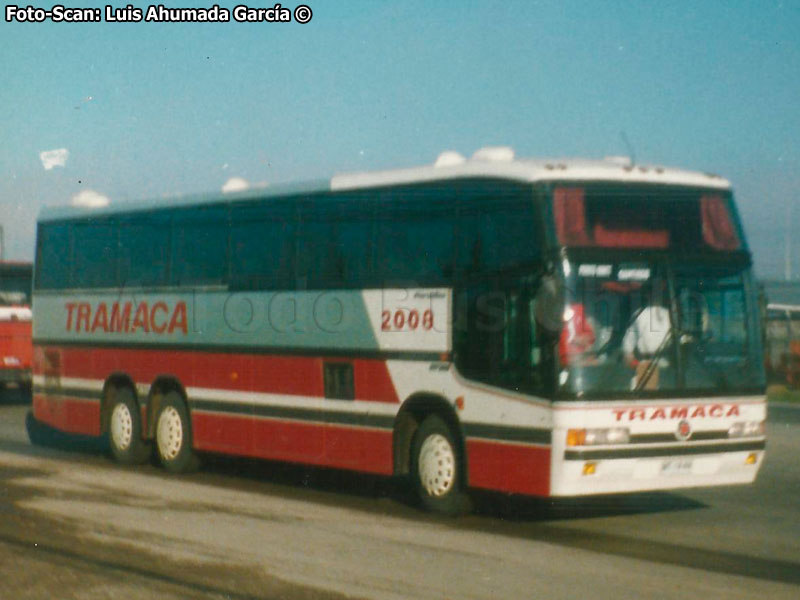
[75,525]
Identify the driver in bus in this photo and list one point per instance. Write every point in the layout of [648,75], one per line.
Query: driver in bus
[645,341]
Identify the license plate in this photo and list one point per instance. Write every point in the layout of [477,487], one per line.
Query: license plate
[677,466]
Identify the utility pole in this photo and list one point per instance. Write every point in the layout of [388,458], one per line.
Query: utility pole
[788,242]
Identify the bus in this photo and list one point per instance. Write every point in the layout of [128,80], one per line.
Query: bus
[16,347]
[550,328]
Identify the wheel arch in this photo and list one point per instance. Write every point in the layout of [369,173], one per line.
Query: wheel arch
[412,413]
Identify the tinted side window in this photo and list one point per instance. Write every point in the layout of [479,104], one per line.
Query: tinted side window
[415,245]
[335,242]
[319,261]
[144,245]
[263,246]
[496,235]
[53,256]
[94,251]
[497,338]
[200,245]
[15,286]
[356,238]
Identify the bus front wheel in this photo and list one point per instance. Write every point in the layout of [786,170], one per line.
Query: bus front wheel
[436,467]
[174,435]
[125,430]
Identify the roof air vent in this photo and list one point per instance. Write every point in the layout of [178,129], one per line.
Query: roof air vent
[494,154]
[622,161]
[449,158]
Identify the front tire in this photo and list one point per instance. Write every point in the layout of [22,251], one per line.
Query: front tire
[174,435]
[125,430]
[436,468]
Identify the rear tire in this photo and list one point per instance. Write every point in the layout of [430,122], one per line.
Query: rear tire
[125,430]
[436,468]
[174,435]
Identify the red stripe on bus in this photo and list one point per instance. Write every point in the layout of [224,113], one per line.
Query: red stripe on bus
[368,450]
[314,444]
[510,468]
[288,375]
[71,415]
[374,382]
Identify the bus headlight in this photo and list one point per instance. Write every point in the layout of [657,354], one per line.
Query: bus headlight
[598,437]
[746,429]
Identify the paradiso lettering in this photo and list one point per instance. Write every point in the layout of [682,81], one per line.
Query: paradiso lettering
[714,411]
[125,317]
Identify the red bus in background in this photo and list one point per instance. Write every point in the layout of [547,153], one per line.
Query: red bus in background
[16,348]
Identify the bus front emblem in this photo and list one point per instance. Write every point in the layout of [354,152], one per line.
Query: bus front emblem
[684,431]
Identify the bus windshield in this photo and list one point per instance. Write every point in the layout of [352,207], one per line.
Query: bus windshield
[645,328]
[15,290]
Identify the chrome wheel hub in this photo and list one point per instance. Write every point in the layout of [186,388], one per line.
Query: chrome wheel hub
[121,427]
[437,465]
[169,433]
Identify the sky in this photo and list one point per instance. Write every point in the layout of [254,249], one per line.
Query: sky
[143,110]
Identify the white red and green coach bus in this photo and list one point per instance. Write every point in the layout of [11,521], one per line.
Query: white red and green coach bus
[16,347]
[470,324]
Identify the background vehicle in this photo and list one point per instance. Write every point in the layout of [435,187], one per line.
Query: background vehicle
[16,347]
[463,324]
[782,354]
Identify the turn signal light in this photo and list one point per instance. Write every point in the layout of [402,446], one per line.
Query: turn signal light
[598,437]
[576,437]
[751,459]
[589,468]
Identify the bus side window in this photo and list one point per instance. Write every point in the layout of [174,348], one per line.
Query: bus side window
[263,247]
[94,255]
[355,236]
[334,243]
[144,244]
[485,225]
[496,337]
[320,264]
[200,246]
[355,224]
[338,380]
[415,248]
[53,263]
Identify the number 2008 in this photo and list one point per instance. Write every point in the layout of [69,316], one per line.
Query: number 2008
[406,319]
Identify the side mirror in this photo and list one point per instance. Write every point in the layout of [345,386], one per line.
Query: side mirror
[549,304]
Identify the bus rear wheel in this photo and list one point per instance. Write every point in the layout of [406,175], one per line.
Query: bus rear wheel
[436,468]
[125,430]
[174,435]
